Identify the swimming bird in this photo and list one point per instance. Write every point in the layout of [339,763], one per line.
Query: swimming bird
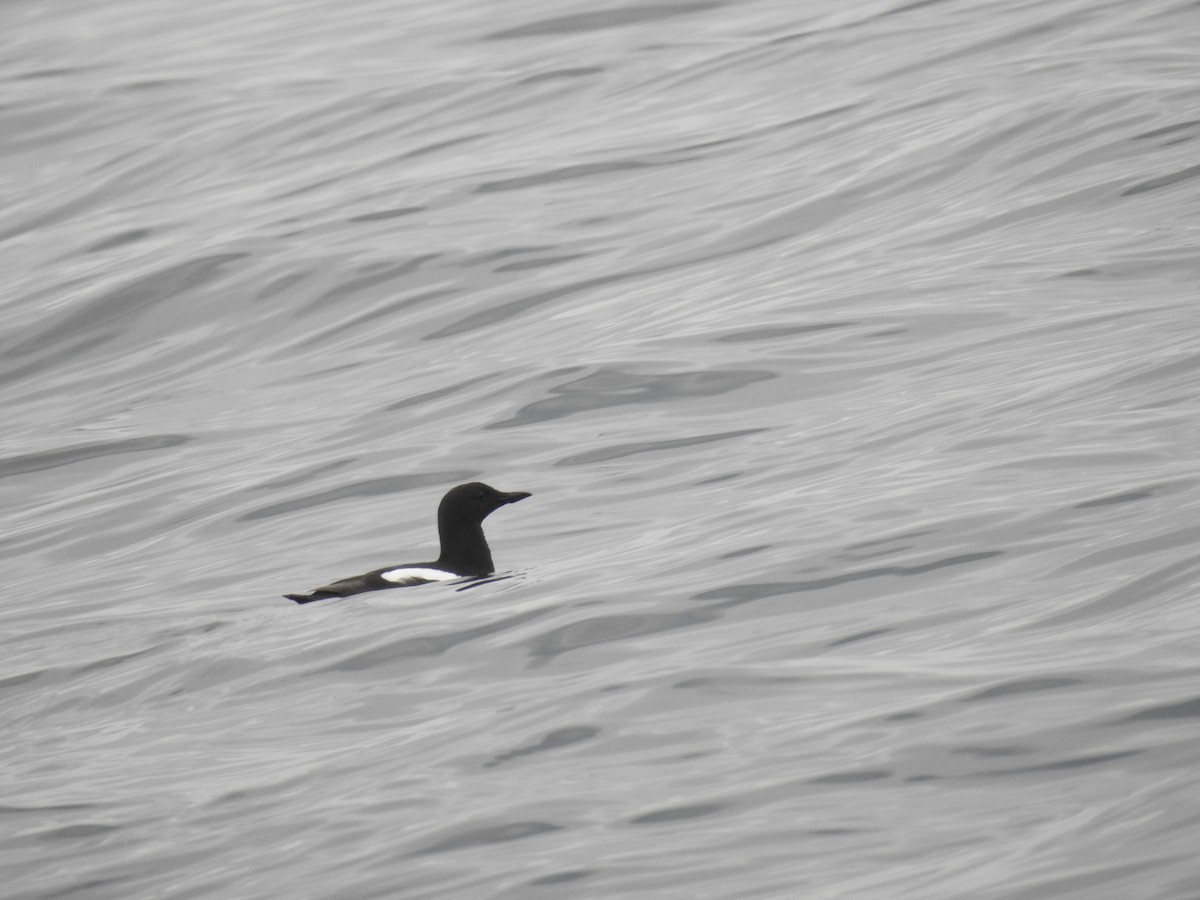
[464,553]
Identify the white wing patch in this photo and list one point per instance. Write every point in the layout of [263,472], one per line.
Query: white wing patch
[416,575]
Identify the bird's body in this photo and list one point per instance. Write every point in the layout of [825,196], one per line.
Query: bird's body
[464,549]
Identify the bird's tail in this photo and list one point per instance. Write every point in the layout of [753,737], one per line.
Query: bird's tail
[309,598]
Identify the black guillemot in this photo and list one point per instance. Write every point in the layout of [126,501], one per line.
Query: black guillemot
[464,553]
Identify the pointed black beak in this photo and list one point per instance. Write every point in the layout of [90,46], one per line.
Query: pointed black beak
[514,496]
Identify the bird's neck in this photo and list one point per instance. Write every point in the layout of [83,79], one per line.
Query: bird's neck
[464,548]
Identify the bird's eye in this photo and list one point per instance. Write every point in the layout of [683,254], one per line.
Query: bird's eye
[481,495]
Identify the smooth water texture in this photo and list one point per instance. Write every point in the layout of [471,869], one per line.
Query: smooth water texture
[850,352]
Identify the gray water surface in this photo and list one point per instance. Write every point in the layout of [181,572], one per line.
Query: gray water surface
[850,353]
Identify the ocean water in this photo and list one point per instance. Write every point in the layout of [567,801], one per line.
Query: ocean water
[851,355]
